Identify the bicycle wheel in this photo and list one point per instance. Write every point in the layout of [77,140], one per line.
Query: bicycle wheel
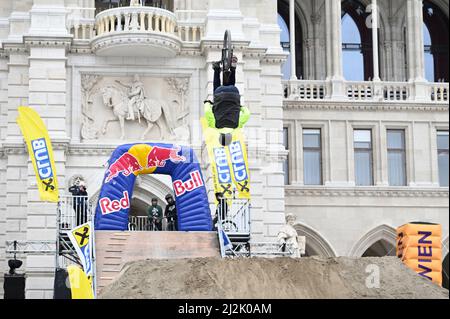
[227,51]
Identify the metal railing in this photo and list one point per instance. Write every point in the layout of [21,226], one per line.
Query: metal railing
[74,211]
[234,215]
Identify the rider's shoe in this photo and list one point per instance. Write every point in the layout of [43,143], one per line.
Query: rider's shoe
[216,66]
[234,62]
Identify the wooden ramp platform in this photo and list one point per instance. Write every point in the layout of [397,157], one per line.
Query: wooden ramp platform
[115,249]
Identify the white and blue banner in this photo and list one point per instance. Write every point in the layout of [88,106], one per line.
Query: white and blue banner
[82,240]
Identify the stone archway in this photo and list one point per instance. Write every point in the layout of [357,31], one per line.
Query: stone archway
[378,240]
[316,244]
[380,248]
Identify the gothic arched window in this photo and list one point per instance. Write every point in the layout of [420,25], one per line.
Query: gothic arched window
[356,42]
[429,59]
[352,57]
[436,43]
[285,44]
[283,12]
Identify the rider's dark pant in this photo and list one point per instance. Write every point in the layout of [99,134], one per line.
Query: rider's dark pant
[230,81]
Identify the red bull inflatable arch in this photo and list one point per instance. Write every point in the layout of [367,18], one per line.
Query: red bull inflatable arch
[129,161]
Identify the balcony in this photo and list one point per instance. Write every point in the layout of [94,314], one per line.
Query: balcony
[316,90]
[136,31]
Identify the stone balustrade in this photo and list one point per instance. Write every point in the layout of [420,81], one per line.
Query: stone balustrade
[305,90]
[297,90]
[191,24]
[135,19]
[81,22]
[83,30]
[187,25]
[439,92]
[190,33]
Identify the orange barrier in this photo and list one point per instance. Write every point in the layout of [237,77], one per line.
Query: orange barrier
[419,245]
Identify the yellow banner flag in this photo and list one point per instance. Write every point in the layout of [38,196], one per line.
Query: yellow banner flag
[229,164]
[41,153]
[80,284]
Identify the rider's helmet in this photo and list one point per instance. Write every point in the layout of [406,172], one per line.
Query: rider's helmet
[169,197]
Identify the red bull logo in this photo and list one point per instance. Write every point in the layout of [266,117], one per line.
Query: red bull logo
[194,182]
[158,156]
[126,164]
[108,206]
[142,158]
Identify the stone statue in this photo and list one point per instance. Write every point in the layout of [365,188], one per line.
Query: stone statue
[288,235]
[180,86]
[135,3]
[88,84]
[136,96]
[126,105]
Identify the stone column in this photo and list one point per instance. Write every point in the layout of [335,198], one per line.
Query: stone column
[415,50]
[376,67]
[224,15]
[48,17]
[292,39]
[414,36]
[319,52]
[334,49]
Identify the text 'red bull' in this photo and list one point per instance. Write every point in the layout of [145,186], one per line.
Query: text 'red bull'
[194,182]
[109,206]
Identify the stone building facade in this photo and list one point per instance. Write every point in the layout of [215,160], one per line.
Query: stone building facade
[72,61]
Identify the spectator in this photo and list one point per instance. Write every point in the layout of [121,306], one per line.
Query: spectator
[155,215]
[80,202]
[171,214]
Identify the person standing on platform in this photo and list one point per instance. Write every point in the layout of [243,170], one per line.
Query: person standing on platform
[155,215]
[171,214]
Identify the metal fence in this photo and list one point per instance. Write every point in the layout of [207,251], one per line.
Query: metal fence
[234,215]
[74,211]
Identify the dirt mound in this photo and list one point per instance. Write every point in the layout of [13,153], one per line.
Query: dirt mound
[270,278]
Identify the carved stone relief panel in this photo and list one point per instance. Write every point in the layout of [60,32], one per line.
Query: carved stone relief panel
[134,108]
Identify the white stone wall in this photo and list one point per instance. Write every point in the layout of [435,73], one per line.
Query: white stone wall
[342,213]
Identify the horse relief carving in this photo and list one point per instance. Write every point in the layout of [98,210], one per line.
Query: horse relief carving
[129,102]
[132,108]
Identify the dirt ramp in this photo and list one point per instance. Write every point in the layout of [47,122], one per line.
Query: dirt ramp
[115,249]
[270,278]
